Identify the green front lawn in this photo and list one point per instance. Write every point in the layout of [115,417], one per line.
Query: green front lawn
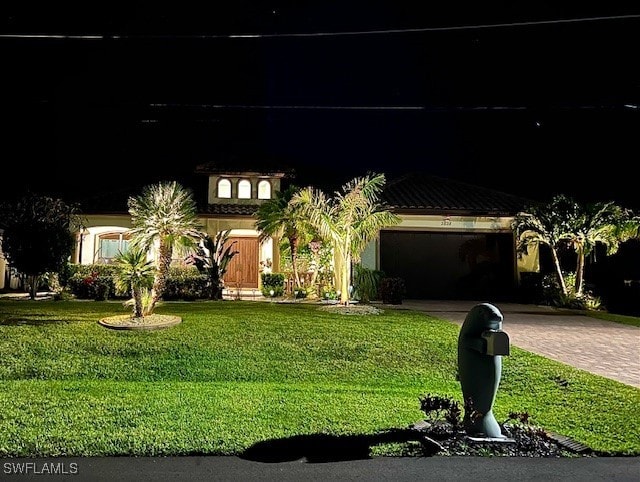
[624,319]
[237,373]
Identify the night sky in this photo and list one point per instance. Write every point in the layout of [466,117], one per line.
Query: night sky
[533,110]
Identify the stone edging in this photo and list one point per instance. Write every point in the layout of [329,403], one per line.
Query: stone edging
[151,322]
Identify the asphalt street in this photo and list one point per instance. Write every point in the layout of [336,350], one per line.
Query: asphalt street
[441,469]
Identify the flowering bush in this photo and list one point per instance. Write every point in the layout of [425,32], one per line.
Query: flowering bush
[93,282]
[99,286]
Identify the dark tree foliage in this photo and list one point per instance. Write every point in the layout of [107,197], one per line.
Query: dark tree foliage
[37,235]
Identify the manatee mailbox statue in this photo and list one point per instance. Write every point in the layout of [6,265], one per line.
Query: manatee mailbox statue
[481,345]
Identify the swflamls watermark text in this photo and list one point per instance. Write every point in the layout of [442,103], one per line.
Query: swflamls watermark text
[40,468]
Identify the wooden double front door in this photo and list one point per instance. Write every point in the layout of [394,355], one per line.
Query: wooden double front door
[242,271]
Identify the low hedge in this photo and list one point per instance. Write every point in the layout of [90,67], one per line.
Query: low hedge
[96,282]
[272,281]
[93,282]
[186,283]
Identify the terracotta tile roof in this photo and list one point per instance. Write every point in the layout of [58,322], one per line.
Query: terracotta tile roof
[113,205]
[228,209]
[415,193]
[424,194]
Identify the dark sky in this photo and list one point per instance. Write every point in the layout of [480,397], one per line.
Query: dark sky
[528,109]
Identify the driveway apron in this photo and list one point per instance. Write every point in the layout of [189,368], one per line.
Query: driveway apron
[597,346]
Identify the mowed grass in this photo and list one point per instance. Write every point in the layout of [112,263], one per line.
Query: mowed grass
[624,319]
[234,374]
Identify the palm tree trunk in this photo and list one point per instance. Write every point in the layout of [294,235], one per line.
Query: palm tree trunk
[344,286]
[580,272]
[337,269]
[214,279]
[160,282]
[556,263]
[293,244]
[137,301]
[345,268]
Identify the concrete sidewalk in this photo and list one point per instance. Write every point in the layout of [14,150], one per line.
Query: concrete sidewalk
[597,346]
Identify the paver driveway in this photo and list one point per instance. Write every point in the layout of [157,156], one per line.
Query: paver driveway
[598,346]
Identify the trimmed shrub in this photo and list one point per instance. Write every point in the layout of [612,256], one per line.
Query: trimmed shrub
[272,281]
[97,282]
[93,282]
[328,293]
[186,283]
[391,290]
[303,292]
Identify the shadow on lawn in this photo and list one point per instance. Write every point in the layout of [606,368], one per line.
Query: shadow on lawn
[28,321]
[326,448]
[40,319]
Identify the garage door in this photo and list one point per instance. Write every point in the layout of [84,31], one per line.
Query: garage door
[450,265]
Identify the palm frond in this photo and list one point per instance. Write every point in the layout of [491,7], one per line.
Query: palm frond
[368,228]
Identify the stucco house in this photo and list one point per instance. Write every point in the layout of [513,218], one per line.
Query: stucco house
[454,241]
[233,196]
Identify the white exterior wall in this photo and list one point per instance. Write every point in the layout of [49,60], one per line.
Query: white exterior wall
[266,250]
[445,223]
[90,241]
[212,190]
[87,255]
[369,257]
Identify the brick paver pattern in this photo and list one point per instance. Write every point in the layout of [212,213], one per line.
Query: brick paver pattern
[597,346]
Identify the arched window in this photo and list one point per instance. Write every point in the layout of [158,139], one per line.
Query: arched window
[244,189]
[264,190]
[224,188]
[110,245]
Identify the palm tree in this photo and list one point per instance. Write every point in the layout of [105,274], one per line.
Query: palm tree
[135,273]
[629,228]
[606,223]
[165,215]
[349,220]
[214,257]
[547,224]
[278,217]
